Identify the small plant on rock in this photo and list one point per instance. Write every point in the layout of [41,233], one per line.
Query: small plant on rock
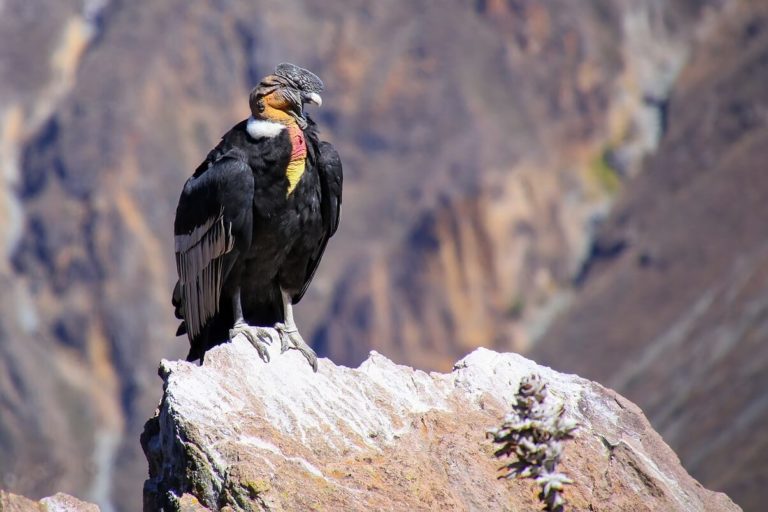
[533,433]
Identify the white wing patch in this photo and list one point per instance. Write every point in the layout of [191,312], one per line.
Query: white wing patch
[198,259]
[258,128]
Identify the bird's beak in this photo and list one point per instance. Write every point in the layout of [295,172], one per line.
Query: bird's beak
[314,98]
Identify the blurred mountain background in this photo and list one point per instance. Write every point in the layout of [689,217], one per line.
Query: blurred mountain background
[581,182]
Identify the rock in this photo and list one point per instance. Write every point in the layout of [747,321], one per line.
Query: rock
[59,502]
[240,433]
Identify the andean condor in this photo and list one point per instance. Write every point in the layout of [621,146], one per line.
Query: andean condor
[254,219]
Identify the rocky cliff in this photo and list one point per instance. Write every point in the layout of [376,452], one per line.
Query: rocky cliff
[241,434]
[675,296]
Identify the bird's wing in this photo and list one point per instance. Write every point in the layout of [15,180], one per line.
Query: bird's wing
[213,219]
[331,178]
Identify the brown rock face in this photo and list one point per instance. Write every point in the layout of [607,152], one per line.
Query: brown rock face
[240,433]
[57,503]
[678,320]
[507,219]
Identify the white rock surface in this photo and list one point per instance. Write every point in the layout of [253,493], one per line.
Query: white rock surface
[238,432]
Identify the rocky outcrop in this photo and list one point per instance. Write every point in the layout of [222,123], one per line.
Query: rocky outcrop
[237,432]
[59,502]
[677,320]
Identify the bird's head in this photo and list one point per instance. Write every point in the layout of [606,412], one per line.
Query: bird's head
[281,96]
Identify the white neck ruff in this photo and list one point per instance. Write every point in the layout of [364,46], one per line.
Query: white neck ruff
[258,128]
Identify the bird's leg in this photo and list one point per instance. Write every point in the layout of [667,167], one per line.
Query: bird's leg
[289,333]
[259,337]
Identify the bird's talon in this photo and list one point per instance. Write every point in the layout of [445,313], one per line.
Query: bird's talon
[291,339]
[259,337]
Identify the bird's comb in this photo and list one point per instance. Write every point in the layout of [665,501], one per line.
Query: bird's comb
[302,78]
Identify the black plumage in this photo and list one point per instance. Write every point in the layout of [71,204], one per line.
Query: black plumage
[247,242]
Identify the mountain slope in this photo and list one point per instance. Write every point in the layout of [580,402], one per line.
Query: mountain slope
[578,99]
[678,319]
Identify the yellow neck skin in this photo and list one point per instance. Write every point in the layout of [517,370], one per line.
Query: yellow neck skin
[294,172]
[278,116]
[274,110]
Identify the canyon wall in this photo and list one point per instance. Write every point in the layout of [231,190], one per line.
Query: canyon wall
[676,317]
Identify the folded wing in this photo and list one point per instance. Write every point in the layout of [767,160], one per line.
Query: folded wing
[213,224]
[331,178]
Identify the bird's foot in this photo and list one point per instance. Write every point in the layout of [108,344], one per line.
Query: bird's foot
[290,338]
[259,337]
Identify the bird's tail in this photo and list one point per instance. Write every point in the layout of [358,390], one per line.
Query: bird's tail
[215,331]
[262,307]
[176,301]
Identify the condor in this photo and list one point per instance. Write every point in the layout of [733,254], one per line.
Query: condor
[254,219]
